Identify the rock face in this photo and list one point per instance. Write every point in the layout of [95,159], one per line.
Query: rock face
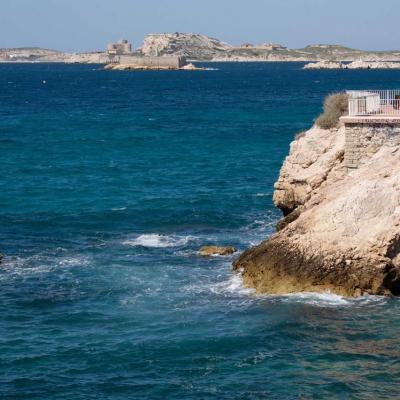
[190,45]
[216,250]
[341,230]
[324,65]
[359,64]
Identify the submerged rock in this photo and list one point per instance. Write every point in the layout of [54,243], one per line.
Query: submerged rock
[216,250]
[342,227]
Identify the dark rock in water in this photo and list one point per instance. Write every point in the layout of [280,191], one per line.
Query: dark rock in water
[217,250]
[277,267]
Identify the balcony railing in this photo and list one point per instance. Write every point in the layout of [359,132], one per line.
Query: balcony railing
[374,102]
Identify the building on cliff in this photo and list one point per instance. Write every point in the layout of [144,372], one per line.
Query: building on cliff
[273,46]
[122,47]
[123,54]
[246,46]
[374,117]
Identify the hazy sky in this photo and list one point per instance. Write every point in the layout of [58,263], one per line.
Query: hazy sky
[78,25]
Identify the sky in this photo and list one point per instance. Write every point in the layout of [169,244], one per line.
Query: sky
[85,25]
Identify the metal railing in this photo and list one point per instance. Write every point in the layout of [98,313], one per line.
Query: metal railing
[374,102]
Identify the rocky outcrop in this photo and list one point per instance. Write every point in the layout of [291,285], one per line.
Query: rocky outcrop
[313,157]
[189,45]
[341,230]
[138,67]
[207,251]
[324,65]
[359,64]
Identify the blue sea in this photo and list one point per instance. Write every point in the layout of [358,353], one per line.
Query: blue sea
[110,183]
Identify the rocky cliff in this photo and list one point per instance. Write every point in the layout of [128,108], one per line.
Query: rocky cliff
[190,45]
[341,227]
[200,47]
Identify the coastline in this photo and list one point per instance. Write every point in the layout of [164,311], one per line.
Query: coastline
[339,196]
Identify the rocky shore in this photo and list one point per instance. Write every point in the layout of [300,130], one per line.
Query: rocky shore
[359,64]
[134,67]
[341,227]
[199,47]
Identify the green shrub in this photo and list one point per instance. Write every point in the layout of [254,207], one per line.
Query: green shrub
[335,105]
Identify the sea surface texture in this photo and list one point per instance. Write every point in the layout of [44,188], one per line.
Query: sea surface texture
[110,183]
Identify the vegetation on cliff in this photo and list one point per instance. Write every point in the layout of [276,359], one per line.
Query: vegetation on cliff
[335,106]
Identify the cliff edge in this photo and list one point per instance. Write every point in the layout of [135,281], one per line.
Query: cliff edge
[341,226]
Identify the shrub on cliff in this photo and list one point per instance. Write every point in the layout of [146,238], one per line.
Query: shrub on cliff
[335,106]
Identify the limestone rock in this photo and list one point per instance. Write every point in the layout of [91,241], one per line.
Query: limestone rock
[324,65]
[360,64]
[356,64]
[135,67]
[192,67]
[344,235]
[190,45]
[216,250]
[311,159]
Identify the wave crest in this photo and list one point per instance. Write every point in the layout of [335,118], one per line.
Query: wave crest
[155,240]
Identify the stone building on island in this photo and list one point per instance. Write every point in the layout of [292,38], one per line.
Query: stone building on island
[121,55]
[122,47]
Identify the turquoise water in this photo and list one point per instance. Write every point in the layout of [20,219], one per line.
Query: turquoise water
[110,182]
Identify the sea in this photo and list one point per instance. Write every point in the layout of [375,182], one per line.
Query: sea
[110,182]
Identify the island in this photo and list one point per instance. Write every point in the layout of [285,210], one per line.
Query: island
[197,47]
[359,64]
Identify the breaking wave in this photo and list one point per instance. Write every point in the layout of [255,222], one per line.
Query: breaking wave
[156,240]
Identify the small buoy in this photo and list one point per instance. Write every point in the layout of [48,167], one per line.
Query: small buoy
[44,82]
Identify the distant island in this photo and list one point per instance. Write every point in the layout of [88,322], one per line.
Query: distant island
[198,47]
[359,64]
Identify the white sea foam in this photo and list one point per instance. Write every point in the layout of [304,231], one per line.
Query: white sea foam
[157,240]
[39,264]
[234,285]
[327,299]
[317,299]
[76,261]
[118,209]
